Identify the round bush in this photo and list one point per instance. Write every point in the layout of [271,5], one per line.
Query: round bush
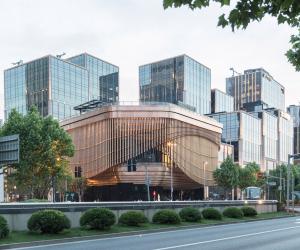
[211,214]
[48,221]
[133,218]
[166,216]
[249,211]
[233,212]
[190,214]
[98,218]
[4,231]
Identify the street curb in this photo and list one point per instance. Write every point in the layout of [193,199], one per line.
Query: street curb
[132,233]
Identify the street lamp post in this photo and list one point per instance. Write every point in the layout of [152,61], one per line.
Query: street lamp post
[205,188]
[148,183]
[170,145]
[53,188]
[53,179]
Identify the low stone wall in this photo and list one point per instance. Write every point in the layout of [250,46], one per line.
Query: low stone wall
[17,214]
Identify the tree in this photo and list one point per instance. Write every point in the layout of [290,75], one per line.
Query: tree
[248,175]
[44,148]
[79,185]
[247,11]
[227,176]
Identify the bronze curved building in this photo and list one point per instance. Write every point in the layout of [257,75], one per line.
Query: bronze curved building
[118,146]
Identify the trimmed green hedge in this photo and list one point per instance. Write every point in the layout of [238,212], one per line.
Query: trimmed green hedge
[211,214]
[48,221]
[4,231]
[190,214]
[133,218]
[249,211]
[233,212]
[98,218]
[166,216]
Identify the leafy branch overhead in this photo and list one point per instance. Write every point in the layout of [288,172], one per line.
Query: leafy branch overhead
[247,11]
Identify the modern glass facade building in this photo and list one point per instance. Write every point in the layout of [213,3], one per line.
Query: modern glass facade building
[269,137]
[243,131]
[109,87]
[294,111]
[103,77]
[53,85]
[221,102]
[253,86]
[225,151]
[285,135]
[179,80]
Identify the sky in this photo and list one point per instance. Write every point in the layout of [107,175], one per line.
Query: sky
[129,33]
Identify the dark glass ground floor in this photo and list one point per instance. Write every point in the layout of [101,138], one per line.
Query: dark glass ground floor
[131,192]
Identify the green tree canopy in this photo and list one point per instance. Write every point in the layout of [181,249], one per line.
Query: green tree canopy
[248,175]
[227,176]
[246,11]
[44,151]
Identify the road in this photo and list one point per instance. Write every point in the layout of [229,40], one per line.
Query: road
[274,234]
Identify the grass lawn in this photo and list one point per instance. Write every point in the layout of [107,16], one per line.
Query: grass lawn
[25,236]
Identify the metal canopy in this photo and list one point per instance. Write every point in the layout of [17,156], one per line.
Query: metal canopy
[9,149]
[89,105]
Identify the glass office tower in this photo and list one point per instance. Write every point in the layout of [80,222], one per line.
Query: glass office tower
[180,80]
[269,138]
[51,84]
[243,131]
[103,77]
[221,102]
[285,135]
[294,111]
[256,85]
[109,87]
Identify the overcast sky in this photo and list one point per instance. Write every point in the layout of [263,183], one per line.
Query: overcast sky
[129,33]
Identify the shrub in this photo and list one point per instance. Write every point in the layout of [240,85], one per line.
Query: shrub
[133,218]
[233,212]
[166,216]
[249,211]
[211,214]
[190,214]
[4,231]
[98,218]
[48,221]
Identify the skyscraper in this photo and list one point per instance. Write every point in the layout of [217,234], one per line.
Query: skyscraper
[269,140]
[256,86]
[243,131]
[103,77]
[221,102]
[54,85]
[180,80]
[294,111]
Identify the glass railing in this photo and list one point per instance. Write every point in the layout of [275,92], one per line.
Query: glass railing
[142,103]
